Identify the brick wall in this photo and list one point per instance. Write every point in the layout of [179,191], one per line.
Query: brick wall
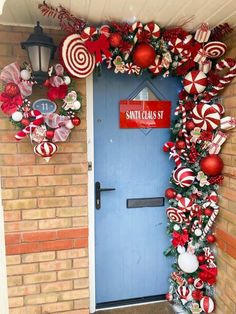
[226,223]
[45,208]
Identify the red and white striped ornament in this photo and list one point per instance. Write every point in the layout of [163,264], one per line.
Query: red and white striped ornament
[76,57]
[105,30]
[215,49]
[206,117]
[153,29]
[195,82]
[45,149]
[202,33]
[184,177]
[157,66]
[198,283]
[39,119]
[176,215]
[207,304]
[185,204]
[220,108]
[176,46]
[184,294]
[88,33]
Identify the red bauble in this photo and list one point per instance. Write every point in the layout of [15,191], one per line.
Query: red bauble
[25,122]
[169,296]
[115,40]
[11,89]
[212,165]
[180,133]
[180,144]
[190,125]
[190,280]
[208,211]
[211,238]
[170,193]
[76,121]
[201,258]
[50,134]
[144,55]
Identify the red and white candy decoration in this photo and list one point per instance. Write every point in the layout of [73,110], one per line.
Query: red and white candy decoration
[153,29]
[215,49]
[88,33]
[176,46]
[157,66]
[175,215]
[76,57]
[45,149]
[184,294]
[184,177]
[198,283]
[206,117]
[195,82]
[185,204]
[39,119]
[207,304]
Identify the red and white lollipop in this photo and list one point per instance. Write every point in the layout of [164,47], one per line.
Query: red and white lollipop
[206,117]
[183,177]
[76,58]
[153,29]
[157,66]
[175,215]
[215,49]
[195,82]
[185,204]
[207,304]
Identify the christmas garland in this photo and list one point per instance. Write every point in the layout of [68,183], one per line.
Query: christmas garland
[38,120]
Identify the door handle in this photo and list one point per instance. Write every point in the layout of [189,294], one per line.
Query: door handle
[98,191]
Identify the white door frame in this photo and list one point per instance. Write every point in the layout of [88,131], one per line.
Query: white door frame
[91,213]
[3,268]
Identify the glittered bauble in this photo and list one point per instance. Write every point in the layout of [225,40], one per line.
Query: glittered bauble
[115,40]
[195,82]
[76,121]
[17,116]
[180,144]
[169,296]
[25,75]
[170,193]
[208,211]
[67,80]
[45,149]
[188,262]
[190,125]
[176,227]
[11,89]
[49,134]
[25,122]
[206,117]
[183,177]
[190,280]
[144,55]
[207,304]
[211,238]
[198,283]
[76,105]
[198,232]
[212,165]
[201,258]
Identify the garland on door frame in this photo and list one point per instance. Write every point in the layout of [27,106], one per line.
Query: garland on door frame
[38,120]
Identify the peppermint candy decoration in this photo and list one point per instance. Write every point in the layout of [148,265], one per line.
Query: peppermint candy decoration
[184,294]
[88,33]
[76,58]
[215,49]
[183,177]
[153,29]
[206,117]
[157,66]
[45,149]
[39,119]
[185,204]
[195,82]
[198,283]
[207,304]
[176,215]
[219,108]
[105,30]
[176,46]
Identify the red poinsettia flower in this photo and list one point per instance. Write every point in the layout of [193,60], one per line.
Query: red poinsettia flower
[208,274]
[197,295]
[57,92]
[10,104]
[144,36]
[179,238]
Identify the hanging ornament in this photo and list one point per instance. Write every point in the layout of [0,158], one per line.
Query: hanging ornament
[169,296]
[210,238]
[143,55]
[184,294]
[190,125]
[50,134]
[180,144]
[17,116]
[170,193]
[25,75]
[202,33]
[183,177]
[198,283]
[45,149]
[215,49]
[115,40]
[188,262]
[156,67]
[190,280]
[207,304]
[11,90]
[195,82]
[185,204]
[206,117]
[212,165]
[176,227]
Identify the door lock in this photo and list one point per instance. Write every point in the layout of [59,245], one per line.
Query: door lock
[98,191]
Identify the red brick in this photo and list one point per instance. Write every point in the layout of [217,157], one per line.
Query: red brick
[81,243]
[39,236]
[73,233]
[13,238]
[226,237]
[56,245]
[22,248]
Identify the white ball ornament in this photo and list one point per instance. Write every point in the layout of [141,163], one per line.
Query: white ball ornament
[17,116]
[198,232]
[188,262]
[76,105]
[25,75]
[176,227]
[180,249]
[67,80]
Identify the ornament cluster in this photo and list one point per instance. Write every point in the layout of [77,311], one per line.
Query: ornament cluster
[44,121]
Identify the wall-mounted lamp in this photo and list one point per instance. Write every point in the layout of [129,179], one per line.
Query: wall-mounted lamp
[40,49]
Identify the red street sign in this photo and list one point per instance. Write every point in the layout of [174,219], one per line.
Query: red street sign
[135,114]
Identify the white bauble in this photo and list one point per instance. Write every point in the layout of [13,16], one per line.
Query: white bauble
[76,105]
[67,80]
[25,75]
[180,249]
[69,124]
[176,227]
[17,116]
[188,262]
[198,232]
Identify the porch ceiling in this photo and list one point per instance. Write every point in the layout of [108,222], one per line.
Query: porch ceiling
[165,12]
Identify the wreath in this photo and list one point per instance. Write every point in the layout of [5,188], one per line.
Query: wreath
[46,121]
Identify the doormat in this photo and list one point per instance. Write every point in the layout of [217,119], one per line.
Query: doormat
[154,308]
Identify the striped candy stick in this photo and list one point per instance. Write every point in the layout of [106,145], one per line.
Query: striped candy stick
[170,146]
[209,224]
[39,119]
[185,133]
[139,27]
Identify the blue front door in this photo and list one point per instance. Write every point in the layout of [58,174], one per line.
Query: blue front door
[130,241]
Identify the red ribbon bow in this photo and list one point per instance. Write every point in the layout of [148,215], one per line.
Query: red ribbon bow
[99,47]
[208,274]
[10,104]
[179,239]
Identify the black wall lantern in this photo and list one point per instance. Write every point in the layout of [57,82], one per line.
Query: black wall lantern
[40,49]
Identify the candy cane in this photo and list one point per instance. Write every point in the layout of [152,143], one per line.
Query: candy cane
[194,210]
[39,119]
[139,27]
[197,224]
[185,133]
[170,146]
[209,224]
